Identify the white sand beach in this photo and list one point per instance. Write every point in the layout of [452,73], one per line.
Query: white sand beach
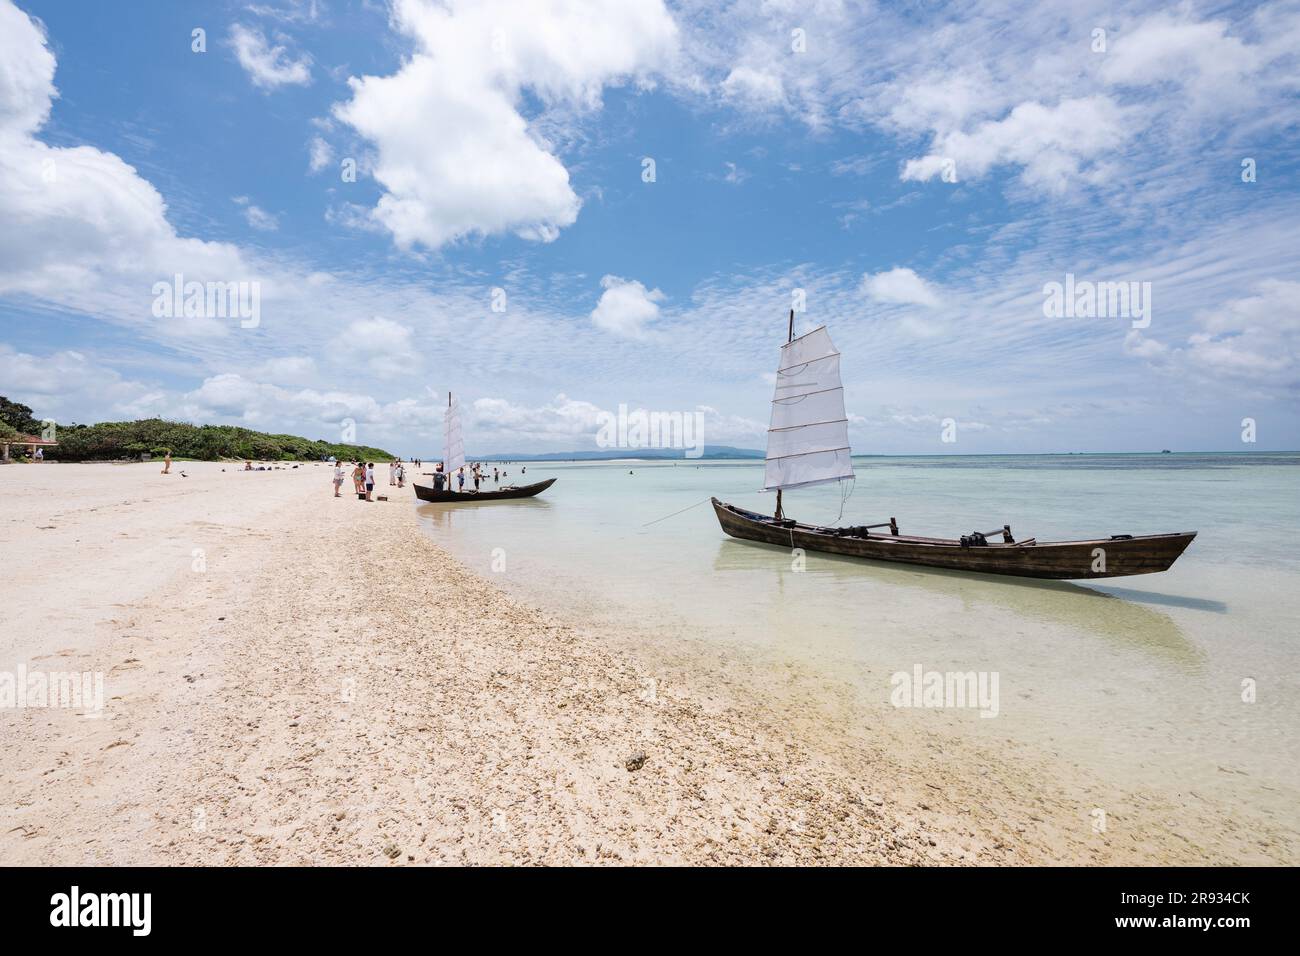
[292,678]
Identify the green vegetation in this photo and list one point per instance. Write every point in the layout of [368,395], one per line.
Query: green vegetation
[113,441]
[18,417]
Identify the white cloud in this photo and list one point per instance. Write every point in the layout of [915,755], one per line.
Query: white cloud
[1055,146]
[81,227]
[1253,341]
[754,88]
[27,74]
[379,345]
[256,216]
[59,384]
[455,156]
[322,154]
[1170,47]
[286,369]
[565,424]
[1010,83]
[899,286]
[626,306]
[561,418]
[269,67]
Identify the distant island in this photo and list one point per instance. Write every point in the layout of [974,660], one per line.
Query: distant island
[609,454]
[117,441]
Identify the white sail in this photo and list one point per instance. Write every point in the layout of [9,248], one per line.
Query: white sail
[453,440]
[808,440]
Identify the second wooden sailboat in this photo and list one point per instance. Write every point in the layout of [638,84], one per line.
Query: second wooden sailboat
[454,459]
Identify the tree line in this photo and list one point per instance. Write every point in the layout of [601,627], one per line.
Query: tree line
[117,441]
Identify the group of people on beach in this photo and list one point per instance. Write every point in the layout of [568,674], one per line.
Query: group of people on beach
[477,474]
[363,477]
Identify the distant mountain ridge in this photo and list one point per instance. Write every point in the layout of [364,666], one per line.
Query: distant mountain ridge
[610,454]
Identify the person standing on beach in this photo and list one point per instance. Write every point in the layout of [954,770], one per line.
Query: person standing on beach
[338,478]
[359,479]
[167,462]
[401,475]
[370,480]
[392,472]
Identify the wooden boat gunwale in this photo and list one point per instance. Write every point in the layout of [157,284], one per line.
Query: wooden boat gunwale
[1059,560]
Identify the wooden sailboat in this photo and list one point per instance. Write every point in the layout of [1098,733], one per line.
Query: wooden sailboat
[454,459]
[808,444]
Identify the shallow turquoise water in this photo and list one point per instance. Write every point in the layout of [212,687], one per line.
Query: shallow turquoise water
[1141,678]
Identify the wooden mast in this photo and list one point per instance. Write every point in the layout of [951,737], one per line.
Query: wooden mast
[789,337]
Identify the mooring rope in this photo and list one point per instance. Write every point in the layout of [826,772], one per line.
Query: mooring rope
[676,513]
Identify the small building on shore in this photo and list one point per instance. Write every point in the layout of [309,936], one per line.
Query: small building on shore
[31,441]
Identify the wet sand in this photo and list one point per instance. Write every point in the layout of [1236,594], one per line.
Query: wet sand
[296,679]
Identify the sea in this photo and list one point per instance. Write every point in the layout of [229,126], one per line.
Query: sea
[1186,680]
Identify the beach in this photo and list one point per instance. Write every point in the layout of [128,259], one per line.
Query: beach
[291,678]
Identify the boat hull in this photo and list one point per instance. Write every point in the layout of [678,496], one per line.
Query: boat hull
[425,493]
[1058,560]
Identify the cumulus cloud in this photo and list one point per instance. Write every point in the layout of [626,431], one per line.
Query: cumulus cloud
[453,152]
[899,286]
[626,307]
[57,385]
[269,67]
[82,228]
[1253,340]
[1172,47]
[754,88]
[1055,146]
[379,345]
[27,79]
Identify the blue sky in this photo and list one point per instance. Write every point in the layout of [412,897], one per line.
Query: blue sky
[921,171]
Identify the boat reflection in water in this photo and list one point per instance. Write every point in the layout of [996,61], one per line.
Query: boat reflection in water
[441,516]
[1116,619]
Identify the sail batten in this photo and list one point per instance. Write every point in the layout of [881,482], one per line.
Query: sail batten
[808,435]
